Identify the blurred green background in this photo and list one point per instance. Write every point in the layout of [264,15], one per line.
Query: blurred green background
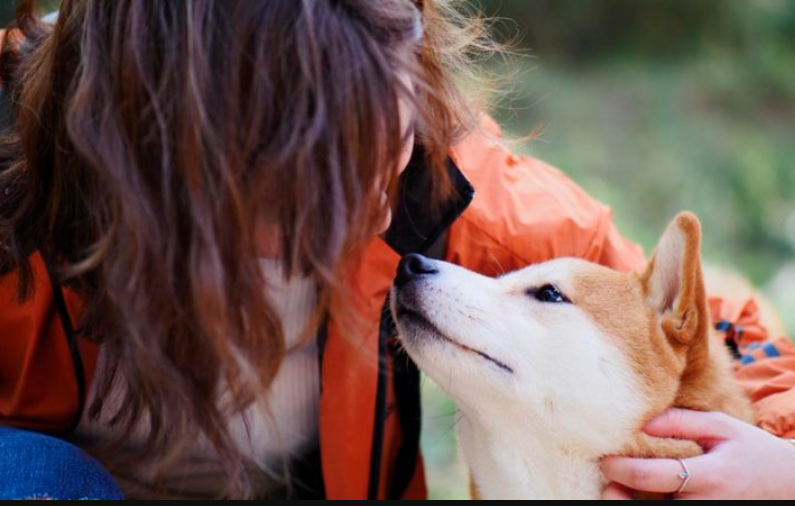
[654,106]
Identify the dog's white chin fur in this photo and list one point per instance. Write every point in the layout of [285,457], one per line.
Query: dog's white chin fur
[539,428]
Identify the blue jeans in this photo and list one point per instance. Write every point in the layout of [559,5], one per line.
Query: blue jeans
[36,466]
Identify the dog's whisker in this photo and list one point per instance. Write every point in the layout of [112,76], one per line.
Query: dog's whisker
[496,262]
[442,416]
[446,432]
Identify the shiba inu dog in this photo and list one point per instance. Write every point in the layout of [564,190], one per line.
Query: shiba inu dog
[560,364]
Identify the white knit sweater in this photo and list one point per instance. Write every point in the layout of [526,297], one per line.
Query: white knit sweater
[272,433]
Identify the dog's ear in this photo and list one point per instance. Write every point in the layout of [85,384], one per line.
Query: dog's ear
[674,282]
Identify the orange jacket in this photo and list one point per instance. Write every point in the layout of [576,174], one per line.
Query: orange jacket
[523,212]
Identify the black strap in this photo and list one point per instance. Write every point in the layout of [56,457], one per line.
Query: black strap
[376,455]
[415,229]
[74,348]
[307,477]
[409,408]
[307,471]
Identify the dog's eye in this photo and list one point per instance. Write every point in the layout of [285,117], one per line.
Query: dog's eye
[549,294]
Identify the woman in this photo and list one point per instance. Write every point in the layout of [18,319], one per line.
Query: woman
[192,228]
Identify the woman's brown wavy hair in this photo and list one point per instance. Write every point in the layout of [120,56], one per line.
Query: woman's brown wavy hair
[155,143]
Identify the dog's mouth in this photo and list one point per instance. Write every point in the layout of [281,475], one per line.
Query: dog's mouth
[414,318]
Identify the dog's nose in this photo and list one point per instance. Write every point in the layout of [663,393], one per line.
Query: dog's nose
[413,267]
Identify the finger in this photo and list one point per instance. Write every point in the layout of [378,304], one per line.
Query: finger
[660,476]
[616,492]
[704,428]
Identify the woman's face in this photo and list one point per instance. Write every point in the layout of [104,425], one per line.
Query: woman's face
[407,126]
[266,232]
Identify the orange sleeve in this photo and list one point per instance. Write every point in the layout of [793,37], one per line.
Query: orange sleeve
[38,390]
[527,212]
[767,372]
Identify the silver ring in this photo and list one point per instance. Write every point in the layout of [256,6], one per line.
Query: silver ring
[684,476]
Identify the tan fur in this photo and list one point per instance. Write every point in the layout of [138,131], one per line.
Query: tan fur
[680,361]
[473,489]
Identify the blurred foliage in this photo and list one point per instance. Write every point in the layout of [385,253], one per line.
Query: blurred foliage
[6,11]
[7,8]
[664,105]
[577,30]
